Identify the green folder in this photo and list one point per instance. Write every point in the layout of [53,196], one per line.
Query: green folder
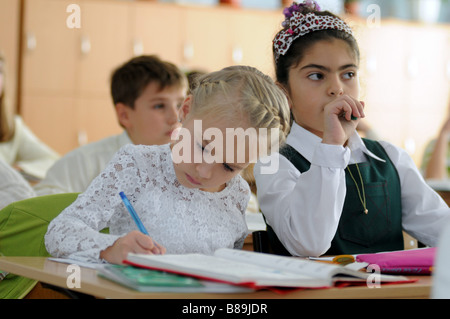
[147,280]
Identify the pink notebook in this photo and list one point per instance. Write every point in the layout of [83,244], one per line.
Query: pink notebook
[413,261]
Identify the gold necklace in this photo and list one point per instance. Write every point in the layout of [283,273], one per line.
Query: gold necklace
[363,198]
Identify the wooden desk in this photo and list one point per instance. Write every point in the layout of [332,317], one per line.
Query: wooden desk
[54,273]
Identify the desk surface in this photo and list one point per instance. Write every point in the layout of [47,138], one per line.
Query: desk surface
[54,273]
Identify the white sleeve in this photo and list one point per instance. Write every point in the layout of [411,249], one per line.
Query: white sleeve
[75,233]
[13,186]
[33,155]
[424,212]
[70,174]
[304,209]
[441,275]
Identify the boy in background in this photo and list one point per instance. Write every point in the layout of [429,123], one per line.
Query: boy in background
[147,93]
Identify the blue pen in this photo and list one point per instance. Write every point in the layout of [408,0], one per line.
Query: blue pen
[133,213]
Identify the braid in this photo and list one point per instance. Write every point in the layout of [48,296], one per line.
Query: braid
[244,93]
[267,116]
[266,108]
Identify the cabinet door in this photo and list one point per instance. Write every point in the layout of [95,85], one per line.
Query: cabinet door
[103,44]
[428,85]
[383,81]
[404,82]
[156,29]
[96,119]
[206,42]
[49,48]
[252,34]
[51,118]
[9,37]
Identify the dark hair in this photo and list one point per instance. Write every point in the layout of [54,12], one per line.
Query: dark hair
[192,78]
[130,79]
[297,49]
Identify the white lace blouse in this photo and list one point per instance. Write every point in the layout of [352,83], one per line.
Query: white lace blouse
[183,220]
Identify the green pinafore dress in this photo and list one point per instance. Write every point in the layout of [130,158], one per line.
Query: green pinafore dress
[378,230]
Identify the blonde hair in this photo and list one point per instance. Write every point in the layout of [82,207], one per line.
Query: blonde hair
[242,94]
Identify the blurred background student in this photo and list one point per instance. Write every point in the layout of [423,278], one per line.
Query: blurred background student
[19,146]
[147,93]
[13,187]
[436,160]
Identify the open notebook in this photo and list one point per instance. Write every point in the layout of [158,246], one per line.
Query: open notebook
[256,270]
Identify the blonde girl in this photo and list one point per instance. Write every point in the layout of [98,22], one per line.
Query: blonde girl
[186,204]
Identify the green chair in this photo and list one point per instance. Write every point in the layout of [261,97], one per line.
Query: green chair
[23,225]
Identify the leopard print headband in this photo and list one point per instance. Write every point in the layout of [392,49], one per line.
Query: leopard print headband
[298,24]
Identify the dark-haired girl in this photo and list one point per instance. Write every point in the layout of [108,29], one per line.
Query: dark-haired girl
[334,192]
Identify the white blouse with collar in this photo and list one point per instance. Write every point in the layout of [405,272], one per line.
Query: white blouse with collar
[183,220]
[27,151]
[304,209]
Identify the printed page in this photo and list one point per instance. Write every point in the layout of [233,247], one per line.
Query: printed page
[320,271]
[227,270]
[296,265]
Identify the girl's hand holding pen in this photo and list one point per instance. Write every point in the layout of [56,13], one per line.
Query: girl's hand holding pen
[138,242]
[339,119]
[133,242]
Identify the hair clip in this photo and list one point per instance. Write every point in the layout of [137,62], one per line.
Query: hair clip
[302,19]
[299,7]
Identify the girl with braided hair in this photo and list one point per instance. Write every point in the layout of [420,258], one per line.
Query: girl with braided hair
[334,192]
[188,193]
